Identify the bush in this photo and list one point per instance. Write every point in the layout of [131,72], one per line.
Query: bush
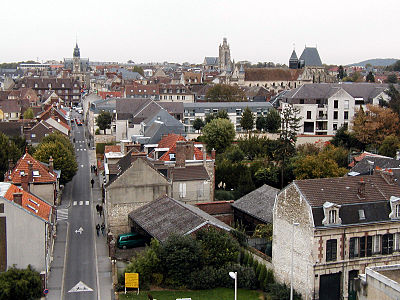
[245,259]
[279,291]
[20,284]
[251,261]
[240,236]
[258,270]
[97,132]
[262,275]
[204,279]
[223,195]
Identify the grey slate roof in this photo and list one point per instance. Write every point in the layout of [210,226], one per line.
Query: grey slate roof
[293,57]
[104,105]
[165,216]
[190,173]
[211,61]
[259,203]
[311,57]
[229,107]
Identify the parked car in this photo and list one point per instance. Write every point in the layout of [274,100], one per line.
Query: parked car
[131,240]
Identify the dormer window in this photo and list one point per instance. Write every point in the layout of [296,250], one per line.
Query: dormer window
[331,213]
[395,207]
[36,173]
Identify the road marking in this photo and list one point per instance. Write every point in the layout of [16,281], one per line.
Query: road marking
[84,149]
[82,166]
[75,202]
[62,214]
[80,230]
[80,202]
[80,287]
[86,202]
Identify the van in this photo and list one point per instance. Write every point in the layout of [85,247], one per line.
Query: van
[131,240]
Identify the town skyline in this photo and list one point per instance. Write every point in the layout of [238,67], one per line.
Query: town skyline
[174,31]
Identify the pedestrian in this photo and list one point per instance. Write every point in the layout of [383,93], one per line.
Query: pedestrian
[100,210]
[92,182]
[103,227]
[98,229]
[97,208]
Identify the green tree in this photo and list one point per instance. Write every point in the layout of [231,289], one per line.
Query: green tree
[389,146]
[138,69]
[287,136]
[225,93]
[64,160]
[392,78]
[103,120]
[60,138]
[16,284]
[28,114]
[221,114]
[341,73]
[394,67]
[9,150]
[219,247]
[344,138]
[218,134]
[370,77]
[245,183]
[260,123]
[198,124]
[272,121]
[394,102]
[247,120]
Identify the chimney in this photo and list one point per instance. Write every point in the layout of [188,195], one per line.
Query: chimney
[10,164]
[387,175]
[213,153]
[30,171]
[361,188]
[51,165]
[180,156]
[204,156]
[18,198]
[189,150]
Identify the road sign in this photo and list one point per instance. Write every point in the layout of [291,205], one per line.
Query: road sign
[46,291]
[79,230]
[132,280]
[80,287]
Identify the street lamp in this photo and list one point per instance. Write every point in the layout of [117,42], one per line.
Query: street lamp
[291,266]
[233,275]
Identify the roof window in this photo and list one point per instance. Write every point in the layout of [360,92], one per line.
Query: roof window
[36,173]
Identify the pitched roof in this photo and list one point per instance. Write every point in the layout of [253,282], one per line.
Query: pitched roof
[30,202]
[344,190]
[44,175]
[272,74]
[369,163]
[258,203]
[364,155]
[311,57]
[293,57]
[112,148]
[190,173]
[165,216]
[211,61]
[170,140]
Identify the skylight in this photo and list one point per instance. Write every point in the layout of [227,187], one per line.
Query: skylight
[36,173]
[361,214]
[31,207]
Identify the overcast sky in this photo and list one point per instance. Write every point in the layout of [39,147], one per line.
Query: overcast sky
[178,31]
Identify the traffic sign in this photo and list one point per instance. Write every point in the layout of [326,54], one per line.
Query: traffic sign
[132,280]
[46,291]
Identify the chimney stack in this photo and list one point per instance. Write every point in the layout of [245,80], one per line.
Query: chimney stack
[10,164]
[361,188]
[25,182]
[204,156]
[18,198]
[387,175]
[213,153]
[30,171]
[51,165]
[180,157]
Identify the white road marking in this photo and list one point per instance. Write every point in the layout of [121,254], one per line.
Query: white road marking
[80,287]
[84,149]
[86,202]
[82,166]
[75,202]
[80,230]
[80,202]
[62,214]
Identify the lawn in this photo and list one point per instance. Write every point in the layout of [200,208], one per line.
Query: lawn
[215,294]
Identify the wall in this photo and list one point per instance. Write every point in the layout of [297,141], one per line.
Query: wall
[137,186]
[291,207]
[192,186]
[44,191]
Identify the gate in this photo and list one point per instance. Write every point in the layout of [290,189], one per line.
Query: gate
[329,286]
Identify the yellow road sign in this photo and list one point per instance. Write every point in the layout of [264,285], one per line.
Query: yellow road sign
[132,280]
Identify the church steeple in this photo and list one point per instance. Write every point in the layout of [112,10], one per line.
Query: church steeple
[293,60]
[77,53]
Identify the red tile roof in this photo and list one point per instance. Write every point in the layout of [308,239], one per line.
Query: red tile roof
[356,159]
[112,148]
[22,165]
[30,202]
[170,142]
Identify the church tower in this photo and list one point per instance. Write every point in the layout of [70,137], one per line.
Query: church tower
[225,56]
[293,61]
[76,67]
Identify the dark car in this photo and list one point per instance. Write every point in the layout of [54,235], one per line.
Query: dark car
[131,240]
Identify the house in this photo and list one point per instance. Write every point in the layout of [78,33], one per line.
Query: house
[210,63]
[175,93]
[40,130]
[35,177]
[151,91]
[325,107]
[26,229]
[13,110]
[191,78]
[165,216]
[336,227]
[255,208]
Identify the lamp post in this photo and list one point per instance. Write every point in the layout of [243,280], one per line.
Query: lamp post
[291,265]
[233,275]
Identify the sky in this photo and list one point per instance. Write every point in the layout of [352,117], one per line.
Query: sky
[180,31]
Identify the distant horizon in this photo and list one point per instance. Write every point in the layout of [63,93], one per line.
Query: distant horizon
[187,31]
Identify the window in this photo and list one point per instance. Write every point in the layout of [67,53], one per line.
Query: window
[331,250]
[336,104]
[33,135]
[387,243]
[200,190]
[308,114]
[334,126]
[1,208]
[178,97]
[398,211]
[36,173]
[332,216]
[182,190]
[301,101]
[170,97]
[335,115]
[346,115]
[346,104]
[183,97]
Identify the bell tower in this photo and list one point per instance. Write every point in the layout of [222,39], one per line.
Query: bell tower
[225,62]
[76,68]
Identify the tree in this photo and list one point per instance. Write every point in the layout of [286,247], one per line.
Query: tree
[247,120]
[370,77]
[373,126]
[103,120]
[272,121]
[28,114]
[198,124]
[260,123]
[18,284]
[245,183]
[221,114]
[394,102]
[392,78]
[225,93]
[10,149]
[341,73]
[389,146]
[218,134]
[287,135]
[344,138]
[138,69]
[63,159]
[219,247]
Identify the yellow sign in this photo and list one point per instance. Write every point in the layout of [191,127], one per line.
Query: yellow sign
[132,280]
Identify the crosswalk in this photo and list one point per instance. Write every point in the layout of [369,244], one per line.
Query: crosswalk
[75,203]
[62,214]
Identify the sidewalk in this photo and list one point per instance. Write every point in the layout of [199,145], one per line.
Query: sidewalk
[103,260]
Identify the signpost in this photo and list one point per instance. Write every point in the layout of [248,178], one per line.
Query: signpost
[132,281]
